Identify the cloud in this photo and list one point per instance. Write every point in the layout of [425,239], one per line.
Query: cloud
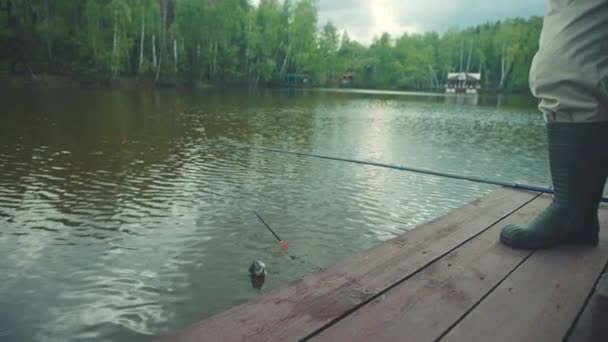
[366,19]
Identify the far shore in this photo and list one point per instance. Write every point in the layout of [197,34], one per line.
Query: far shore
[60,81]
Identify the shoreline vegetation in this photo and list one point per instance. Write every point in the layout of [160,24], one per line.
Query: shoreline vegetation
[232,43]
[46,81]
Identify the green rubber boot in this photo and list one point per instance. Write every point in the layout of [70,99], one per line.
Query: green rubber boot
[578,156]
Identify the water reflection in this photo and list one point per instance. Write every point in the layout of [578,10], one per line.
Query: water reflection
[462,99]
[126,214]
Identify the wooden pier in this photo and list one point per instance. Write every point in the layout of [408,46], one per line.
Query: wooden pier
[447,280]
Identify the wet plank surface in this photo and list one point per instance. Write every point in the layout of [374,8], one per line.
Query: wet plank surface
[541,299]
[448,280]
[592,326]
[425,306]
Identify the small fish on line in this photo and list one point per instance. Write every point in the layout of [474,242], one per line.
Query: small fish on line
[258,272]
[258,269]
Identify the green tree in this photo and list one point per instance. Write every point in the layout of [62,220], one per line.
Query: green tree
[303,40]
[264,38]
[190,19]
[118,12]
[329,42]
[384,64]
[5,32]
[236,41]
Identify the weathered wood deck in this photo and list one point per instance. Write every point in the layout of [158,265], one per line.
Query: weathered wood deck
[448,280]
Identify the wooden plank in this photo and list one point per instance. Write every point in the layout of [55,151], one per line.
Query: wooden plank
[541,299]
[426,305]
[306,305]
[592,327]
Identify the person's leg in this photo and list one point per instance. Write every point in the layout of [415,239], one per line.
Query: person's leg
[566,75]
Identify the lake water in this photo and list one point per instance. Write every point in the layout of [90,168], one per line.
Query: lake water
[128,214]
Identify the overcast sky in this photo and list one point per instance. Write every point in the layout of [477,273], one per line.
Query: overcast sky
[364,19]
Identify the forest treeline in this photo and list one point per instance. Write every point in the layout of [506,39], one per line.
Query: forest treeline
[235,42]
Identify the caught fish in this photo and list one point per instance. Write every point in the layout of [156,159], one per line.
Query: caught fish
[258,273]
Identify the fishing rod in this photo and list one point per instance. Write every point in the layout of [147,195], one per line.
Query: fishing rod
[512,185]
[283,243]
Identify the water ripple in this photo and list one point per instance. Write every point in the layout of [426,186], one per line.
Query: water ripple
[132,215]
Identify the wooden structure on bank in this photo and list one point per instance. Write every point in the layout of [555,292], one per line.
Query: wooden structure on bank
[463,83]
[347,77]
[447,280]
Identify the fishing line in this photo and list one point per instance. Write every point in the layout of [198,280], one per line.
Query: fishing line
[286,247]
[512,185]
[283,243]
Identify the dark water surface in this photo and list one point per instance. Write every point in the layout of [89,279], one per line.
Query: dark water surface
[128,214]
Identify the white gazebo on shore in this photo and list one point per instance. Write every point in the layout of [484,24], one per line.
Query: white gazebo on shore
[463,82]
